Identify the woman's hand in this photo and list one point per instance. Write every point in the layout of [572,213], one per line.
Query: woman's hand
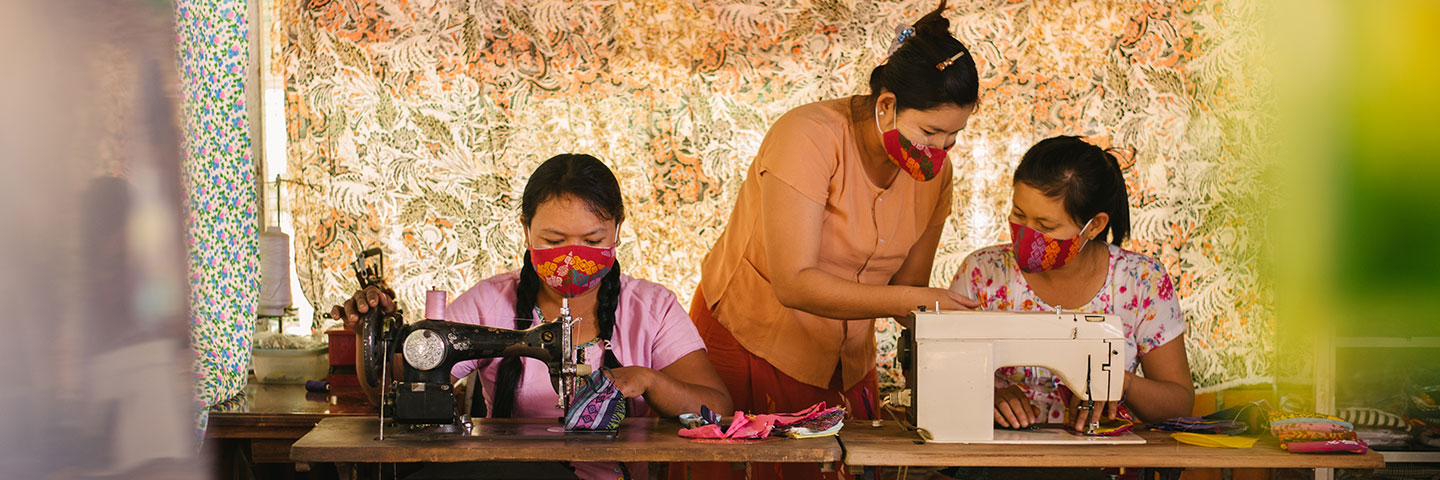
[371,297]
[632,381]
[947,300]
[930,297]
[1084,413]
[1013,409]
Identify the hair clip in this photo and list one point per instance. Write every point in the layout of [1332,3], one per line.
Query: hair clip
[945,64]
[902,32]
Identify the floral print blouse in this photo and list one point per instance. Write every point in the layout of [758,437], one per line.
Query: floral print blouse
[1137,289]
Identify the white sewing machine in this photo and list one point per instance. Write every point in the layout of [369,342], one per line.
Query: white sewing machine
[953,356]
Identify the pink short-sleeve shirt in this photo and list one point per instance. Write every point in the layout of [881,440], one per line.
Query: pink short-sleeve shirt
[651,330]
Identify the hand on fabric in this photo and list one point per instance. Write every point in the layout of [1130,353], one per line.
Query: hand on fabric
[1082,413]
[632,381]
[1013,409]
[381,297]
[598,404]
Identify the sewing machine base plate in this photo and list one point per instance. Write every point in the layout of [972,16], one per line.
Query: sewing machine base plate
[1054,435]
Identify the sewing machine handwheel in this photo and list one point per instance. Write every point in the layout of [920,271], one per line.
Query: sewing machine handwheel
[368,355]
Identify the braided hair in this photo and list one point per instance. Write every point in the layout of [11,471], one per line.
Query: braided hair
[584,178]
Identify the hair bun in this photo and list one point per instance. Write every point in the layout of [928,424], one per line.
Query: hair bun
[934,24]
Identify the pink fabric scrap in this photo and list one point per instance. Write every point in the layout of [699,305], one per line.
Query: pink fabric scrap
[750,427]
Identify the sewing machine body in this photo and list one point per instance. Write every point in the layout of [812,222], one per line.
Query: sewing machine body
[423,399]
[953,356]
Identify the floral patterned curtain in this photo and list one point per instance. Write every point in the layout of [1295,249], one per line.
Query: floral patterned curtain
[418,122]
[220,185]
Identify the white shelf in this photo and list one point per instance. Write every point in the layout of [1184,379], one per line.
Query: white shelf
[1388,342]
[1410,457]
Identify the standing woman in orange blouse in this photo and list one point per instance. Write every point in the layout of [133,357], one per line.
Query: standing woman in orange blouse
[836,224]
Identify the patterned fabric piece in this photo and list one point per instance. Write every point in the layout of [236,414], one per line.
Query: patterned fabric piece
[1311,431]
[1281,417]
[1136,288]
[220,183]
[822,420]
[418,123]
[598,405]
[1371,417]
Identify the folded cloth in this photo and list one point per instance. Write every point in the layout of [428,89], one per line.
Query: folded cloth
[598,404]
[1308,427]
[1200,425]
[742,427]
[1231,421]
[1217,441]
[802,432]
[823,420]
[1384,438]
[1303,432]
[1327,446]
[1371,417]
[1311,431]
[1281,417]
[811,420]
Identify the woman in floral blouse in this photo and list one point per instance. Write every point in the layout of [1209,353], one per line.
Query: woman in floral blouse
[1069,196]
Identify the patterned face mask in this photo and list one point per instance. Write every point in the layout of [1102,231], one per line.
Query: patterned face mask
[921,162]
[1037,252]
[598,404]
[573,270]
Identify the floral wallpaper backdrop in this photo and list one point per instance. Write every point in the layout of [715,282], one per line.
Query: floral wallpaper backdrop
[417,123]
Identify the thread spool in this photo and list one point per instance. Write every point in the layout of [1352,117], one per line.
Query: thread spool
[435,304]
[274,273]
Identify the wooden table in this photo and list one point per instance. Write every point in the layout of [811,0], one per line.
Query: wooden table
[889,445]
[353,440]
[269,417]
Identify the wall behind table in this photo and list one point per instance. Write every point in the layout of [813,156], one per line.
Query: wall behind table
[418,123]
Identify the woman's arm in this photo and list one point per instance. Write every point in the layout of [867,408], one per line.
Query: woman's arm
[915,271]
[668,394]
[792,244]
[1166,390]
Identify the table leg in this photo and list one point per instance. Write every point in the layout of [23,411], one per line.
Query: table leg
[1160,473]
[346,471]
[659,470]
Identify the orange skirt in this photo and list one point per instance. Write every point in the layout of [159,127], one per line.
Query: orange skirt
[758,387]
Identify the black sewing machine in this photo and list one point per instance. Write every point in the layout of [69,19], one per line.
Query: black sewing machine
[429,348]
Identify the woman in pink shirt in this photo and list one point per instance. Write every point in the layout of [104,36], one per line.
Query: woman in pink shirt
[571,212]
